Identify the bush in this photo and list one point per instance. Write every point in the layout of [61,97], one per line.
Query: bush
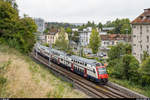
[2,80]
[144,71]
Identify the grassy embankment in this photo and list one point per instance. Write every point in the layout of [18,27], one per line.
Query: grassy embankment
[21,77]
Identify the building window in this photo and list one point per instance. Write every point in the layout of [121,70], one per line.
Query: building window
[141,47]
[141,27]
[134,36]
[147,38]
[147,29]
[112,42]
[134,44]
[147,48]
[134,26]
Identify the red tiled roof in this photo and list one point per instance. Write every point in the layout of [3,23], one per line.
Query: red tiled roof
[144,18]
[115,37]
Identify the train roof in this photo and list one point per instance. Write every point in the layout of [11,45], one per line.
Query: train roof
[57,51]
[88,61]
[74,57]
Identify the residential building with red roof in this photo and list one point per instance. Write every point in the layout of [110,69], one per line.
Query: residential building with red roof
[141,34]
[113,39]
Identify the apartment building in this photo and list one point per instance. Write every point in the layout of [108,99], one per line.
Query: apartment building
[85,36]
[141,34]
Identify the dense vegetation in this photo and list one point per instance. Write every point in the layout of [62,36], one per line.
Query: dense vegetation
[121,26]
[15,31]
[123,65]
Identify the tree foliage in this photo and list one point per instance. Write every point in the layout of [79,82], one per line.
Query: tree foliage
[16,32]
[145,72]
[122,63]
[122,26]
[94,41]
[69,32]
[119,50]
[145,55]
[75,37]
[130,66]
[61,41]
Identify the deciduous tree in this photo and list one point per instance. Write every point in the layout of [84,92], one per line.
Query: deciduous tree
[95,41]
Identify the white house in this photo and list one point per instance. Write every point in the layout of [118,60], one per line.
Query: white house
[85,36]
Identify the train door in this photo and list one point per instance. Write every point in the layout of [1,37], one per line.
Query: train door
[72,67]
[85,72]
[58,61]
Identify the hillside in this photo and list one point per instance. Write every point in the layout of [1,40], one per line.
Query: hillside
[20,77]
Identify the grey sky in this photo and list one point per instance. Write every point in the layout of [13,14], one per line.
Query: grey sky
[81,11]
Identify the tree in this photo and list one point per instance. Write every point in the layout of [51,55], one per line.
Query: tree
[130,66]
[122,26]
[61,41]
[69,32]
[145,55]
[100,25]
[94,41]
[75,37]
[8,20]
[144,71]
[116,52]
[25,35]
[16,32]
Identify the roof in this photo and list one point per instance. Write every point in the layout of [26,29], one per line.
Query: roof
[88,61]
[115,37]
[53,31]
[144,18]
[107,28]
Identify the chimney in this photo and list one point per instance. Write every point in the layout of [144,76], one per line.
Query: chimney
[147,10]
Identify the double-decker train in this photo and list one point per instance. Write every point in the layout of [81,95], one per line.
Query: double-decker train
[88,68]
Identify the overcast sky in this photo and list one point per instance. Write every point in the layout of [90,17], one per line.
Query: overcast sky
[81,11]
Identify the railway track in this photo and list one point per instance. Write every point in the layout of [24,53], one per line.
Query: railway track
[97,91]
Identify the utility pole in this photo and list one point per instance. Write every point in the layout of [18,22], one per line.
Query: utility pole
[126,35]
[36,49]
[50,47]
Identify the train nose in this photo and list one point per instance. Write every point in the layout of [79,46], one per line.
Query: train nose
[103,76]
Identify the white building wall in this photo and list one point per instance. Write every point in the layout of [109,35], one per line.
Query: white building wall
[140,42]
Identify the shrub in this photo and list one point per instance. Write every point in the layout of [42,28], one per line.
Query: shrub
[2,80]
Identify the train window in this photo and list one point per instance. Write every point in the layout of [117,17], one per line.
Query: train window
[94,70]
[85,64]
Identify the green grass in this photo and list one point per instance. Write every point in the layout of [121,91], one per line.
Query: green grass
[130,85]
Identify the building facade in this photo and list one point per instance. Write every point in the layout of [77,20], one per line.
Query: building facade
[141,34]
[52,36]
[85,36]
[41,24]
[114,39]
